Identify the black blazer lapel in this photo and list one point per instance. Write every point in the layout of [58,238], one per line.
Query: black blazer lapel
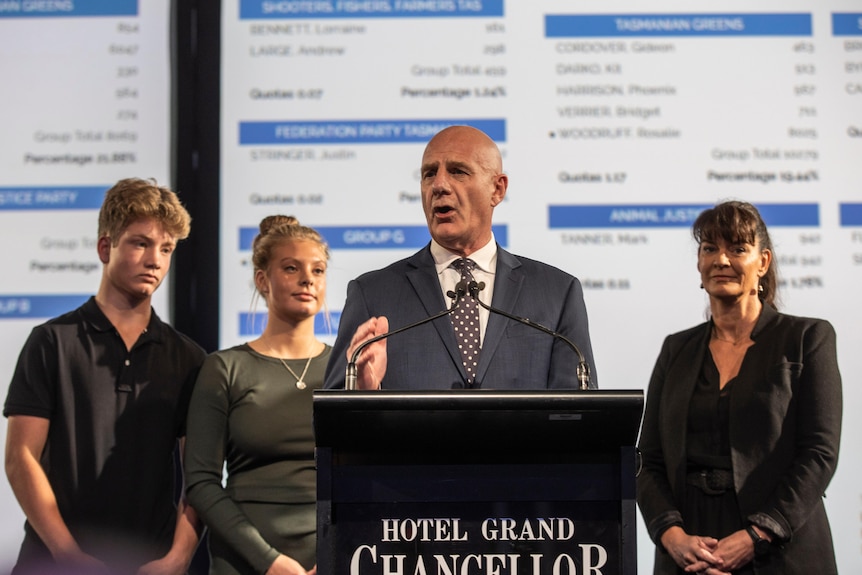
[682,376]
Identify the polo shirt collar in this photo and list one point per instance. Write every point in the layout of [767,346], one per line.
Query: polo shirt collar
[97,319]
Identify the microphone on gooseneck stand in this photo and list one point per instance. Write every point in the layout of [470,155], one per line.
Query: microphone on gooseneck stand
[456,295]
[583,372]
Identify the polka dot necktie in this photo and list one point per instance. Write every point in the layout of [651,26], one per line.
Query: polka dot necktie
[465,321]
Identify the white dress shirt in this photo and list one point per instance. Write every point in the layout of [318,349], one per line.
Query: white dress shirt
[485,270]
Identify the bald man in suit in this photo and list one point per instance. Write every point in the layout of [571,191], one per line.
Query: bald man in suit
[462,182]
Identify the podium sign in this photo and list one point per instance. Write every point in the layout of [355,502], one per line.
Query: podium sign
[475,482]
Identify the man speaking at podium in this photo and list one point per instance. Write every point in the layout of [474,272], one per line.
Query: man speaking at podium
[471,347]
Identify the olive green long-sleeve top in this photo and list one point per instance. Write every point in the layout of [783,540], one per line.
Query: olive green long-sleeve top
[248,413]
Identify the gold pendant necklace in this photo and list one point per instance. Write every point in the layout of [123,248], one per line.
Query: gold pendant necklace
[300,379]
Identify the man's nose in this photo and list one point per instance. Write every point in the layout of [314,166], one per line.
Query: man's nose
[440,183]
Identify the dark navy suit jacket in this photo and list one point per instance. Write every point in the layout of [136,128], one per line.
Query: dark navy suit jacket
[513,356]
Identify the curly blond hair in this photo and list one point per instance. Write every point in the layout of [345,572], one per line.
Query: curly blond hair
[133,199]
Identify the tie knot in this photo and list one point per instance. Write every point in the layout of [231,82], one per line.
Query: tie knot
[464,265]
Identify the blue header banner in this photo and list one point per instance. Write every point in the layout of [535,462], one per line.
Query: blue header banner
[252,324]
[319,9]
[358,131]
[790,215]
[850,215]
[667,25]
[52,198]
[372,237]
[670,215]
[38,306]
[847,24]
[67,8]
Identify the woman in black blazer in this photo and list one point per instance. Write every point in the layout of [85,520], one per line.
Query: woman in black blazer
[742,422]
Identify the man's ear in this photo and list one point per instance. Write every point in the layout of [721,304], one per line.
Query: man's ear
[501,184]
[103,246]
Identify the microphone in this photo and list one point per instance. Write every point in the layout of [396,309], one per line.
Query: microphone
[583,372]
[351,376]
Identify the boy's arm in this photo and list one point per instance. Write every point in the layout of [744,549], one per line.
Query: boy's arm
[25,439]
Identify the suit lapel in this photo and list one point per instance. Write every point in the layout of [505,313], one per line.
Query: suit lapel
[422,275]
[508,281]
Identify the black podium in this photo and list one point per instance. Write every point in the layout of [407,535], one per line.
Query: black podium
[475,482]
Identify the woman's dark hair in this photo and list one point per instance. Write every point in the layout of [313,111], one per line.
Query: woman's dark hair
[735,222]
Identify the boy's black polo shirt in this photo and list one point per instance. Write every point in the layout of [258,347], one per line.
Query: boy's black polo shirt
[115,416]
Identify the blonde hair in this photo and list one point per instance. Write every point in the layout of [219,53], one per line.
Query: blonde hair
[133,199]
[277,229]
